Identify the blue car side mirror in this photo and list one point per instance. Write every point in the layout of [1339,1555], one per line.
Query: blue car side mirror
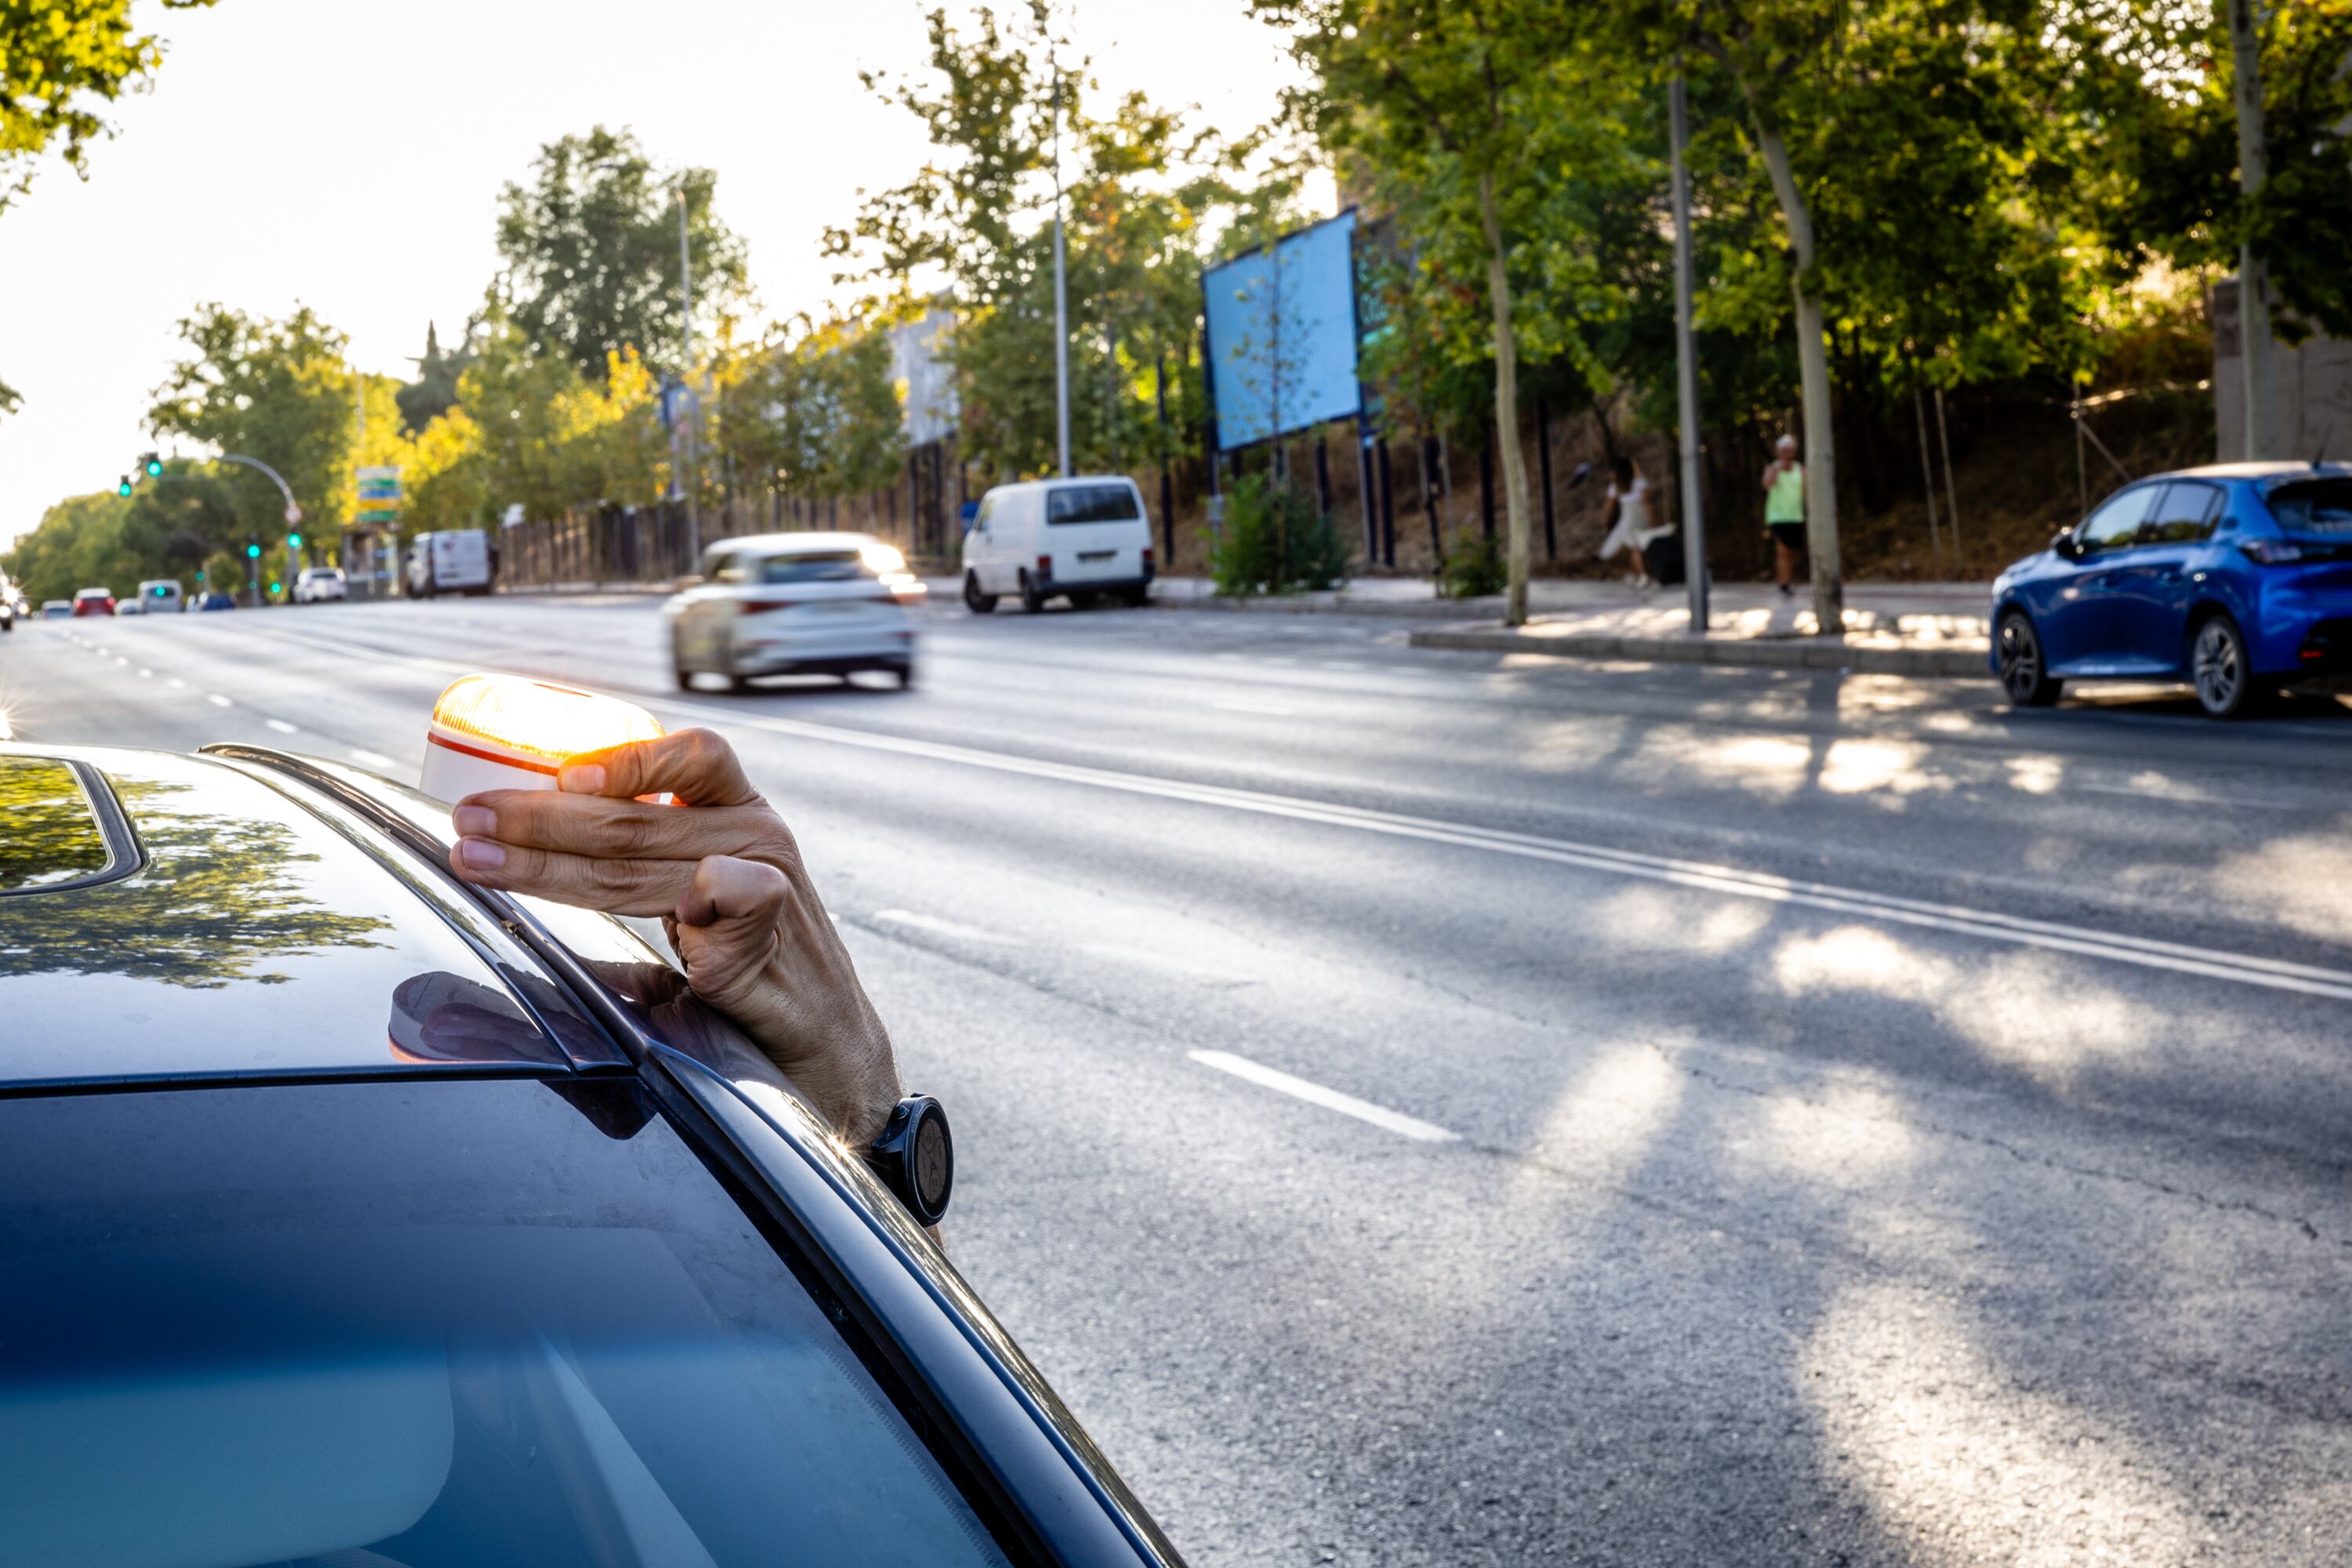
[2066,545]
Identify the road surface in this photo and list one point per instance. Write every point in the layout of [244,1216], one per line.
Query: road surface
[1426,1108]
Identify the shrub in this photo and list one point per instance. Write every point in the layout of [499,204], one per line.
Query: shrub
[1275,540]
[1472,569]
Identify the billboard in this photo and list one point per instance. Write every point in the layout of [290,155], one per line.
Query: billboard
[379,495]
[1281,334]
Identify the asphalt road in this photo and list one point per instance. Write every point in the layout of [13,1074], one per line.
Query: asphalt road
[1425,1108]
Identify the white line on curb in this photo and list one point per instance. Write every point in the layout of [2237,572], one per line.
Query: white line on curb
[1380,1116]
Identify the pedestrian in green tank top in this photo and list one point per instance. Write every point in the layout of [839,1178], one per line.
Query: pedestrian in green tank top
[1784,512]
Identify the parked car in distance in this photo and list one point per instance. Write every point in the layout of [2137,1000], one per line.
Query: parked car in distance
[455,560]
[316,585]
[213,601]
[94,602]
[1084,539]
[2234,577]
[156,596]
[56,609]
[795,603]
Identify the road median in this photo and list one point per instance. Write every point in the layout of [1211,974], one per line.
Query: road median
[1870,652]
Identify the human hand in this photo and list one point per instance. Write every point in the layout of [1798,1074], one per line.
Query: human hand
[725,874]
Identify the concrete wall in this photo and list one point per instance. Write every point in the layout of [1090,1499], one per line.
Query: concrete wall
[2313,386]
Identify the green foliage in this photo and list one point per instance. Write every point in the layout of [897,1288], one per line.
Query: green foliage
[224,572]
[1472,568]
[1275,540]
[277,390]
[434,391]
[1143,194]
[589,249]
[78,543]
[58,62]
[811,412]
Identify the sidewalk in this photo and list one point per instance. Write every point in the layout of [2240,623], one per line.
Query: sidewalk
[1916,628]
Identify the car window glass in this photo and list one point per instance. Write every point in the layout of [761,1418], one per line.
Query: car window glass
[457,1324]
[730,569]
[810,566]
[987,512]
[2117,523]
[2313,506]
[2185,511]
[1091,503]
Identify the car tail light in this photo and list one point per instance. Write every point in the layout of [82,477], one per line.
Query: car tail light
[2272,551]
[1044,566]
[503,732]
[761,606]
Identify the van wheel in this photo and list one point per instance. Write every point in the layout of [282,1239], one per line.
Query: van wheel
[1032,601]
[1136,598]
[978,603]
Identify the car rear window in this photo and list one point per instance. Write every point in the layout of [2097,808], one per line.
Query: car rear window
[46,832]
[813,566]
[2313,506]
[1091,503]
[501,1322]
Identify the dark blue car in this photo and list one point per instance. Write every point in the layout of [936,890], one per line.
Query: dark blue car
[2236,577]
[353,1216]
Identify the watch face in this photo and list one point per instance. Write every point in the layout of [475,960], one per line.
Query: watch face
[934,1165]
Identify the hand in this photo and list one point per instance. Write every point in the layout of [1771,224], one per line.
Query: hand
[723,870]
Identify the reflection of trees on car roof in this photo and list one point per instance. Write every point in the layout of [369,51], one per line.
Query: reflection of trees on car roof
[47,833]
[220,898]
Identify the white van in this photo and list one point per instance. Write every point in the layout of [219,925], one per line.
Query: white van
[454,561]
[156,596]
[1083,540]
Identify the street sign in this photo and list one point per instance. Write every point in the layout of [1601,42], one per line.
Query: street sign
[380,495]
[293,514]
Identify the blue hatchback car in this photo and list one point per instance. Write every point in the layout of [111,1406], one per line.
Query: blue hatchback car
[2236,577]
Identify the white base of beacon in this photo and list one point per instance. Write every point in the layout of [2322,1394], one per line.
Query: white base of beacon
[449,776]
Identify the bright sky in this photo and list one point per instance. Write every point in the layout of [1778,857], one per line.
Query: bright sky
[347,154]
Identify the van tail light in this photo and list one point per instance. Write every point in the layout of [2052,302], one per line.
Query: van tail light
[1147,561]
[1044,566]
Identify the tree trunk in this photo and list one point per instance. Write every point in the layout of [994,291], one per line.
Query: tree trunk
[1813,372]
[1507,407]
[2254,279]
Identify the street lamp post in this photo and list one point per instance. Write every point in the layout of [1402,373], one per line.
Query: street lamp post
[1686,358]
[689,406]
[1061,294]
[293,512]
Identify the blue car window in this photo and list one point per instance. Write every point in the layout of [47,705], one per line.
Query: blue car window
[2116,522]
[2186,512]
[428,1323]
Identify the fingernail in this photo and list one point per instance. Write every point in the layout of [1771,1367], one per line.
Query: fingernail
[588,778]
[474,821]
[482,853]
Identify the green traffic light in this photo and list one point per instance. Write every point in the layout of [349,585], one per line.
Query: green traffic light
[155,468]
[124,489]
[293,541]
[253,553]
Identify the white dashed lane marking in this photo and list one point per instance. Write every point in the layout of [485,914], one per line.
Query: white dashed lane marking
[281,726]
[1380,1116]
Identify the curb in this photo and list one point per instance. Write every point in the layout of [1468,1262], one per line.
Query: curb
[1774,653]
[1328,604]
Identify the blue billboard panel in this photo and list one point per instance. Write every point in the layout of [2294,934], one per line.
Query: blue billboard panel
[1281,334]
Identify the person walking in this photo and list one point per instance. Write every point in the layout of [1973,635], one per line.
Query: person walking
[1784,512]
[1627,518]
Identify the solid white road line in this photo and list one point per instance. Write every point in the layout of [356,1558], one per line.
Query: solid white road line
[281,726]
[217,699]
[1380,1116]
[2179,958]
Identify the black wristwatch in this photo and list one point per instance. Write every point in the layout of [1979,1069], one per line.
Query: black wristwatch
[915,1157]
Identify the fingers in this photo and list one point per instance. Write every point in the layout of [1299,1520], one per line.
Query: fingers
[694,766]
[607,829]
[616,887]
[725,888]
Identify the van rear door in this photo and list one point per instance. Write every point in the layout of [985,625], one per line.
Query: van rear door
[1096,532]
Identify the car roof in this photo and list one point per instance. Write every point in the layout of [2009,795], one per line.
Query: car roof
[170,917]
[2263,470]
[805,543]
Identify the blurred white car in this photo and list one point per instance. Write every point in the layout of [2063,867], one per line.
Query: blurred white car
[319,584]
[795,603]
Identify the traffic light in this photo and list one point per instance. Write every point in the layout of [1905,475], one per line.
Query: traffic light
[124,487]
[293,541]
[253,553]
[154,465]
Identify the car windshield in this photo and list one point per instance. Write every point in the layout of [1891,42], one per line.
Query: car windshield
[1091,503]
[430,1324]
[2313,506]
[813,566]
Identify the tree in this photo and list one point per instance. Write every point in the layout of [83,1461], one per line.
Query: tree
[1453,84]
[276,390]
[57,63]
[589,250]
[435,390]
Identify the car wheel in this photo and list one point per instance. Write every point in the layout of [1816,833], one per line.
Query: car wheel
[1032,601]
[739,684]
[2024,672]
[2220,669]
[906,674]
[978,603]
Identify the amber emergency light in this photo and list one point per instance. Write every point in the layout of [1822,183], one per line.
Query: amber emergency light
[504,732]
